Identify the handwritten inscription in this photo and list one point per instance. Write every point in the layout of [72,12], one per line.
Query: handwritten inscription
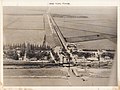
[59,3]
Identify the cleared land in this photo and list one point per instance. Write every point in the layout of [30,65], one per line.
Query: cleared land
[53,76]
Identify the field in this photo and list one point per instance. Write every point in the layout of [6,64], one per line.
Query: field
[32,28]
[35,72]
[52,77]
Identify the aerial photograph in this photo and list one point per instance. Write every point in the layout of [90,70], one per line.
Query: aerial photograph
[59,46]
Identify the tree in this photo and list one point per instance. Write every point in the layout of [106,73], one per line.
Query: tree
[15,56]
[57,57]
[86,55]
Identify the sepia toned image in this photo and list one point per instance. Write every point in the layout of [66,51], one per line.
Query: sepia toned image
[60,46]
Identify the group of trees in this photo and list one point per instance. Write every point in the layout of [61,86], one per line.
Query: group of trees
[87,54]
[12,54]
[38,55]
[82,54]
[27,46]
[31,50]
[39,52]
[111,55]
[55,54]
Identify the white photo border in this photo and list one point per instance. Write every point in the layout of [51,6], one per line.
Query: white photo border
[72,3]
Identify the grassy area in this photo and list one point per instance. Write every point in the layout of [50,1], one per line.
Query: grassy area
[28,64]
[35,72]
[95,73]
